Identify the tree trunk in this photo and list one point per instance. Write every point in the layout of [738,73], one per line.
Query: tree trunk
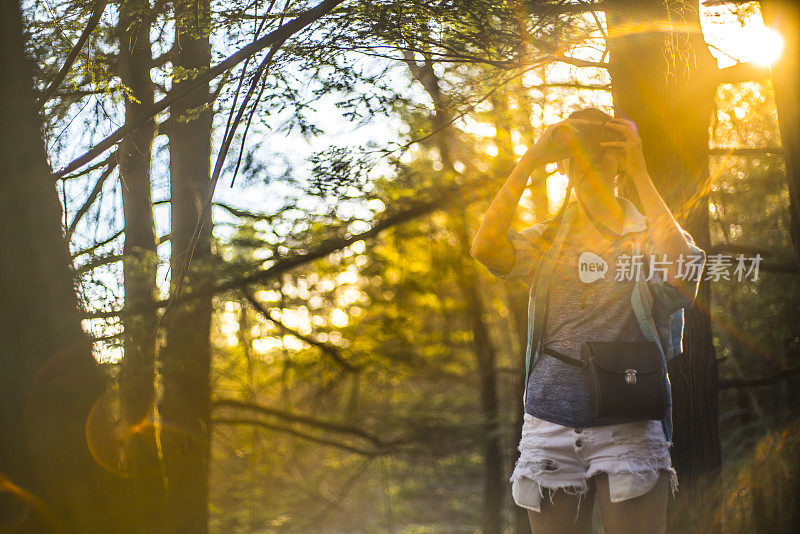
[139,267]
[50,384]
[137,370]
[664,83]
[784,17]
[185,406]
[494,481]
[494,484]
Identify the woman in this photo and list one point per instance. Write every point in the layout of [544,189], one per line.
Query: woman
[567,458]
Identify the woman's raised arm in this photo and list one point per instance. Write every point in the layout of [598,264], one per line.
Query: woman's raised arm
[491,246]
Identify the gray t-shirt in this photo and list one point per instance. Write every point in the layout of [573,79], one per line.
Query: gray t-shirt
[579,311]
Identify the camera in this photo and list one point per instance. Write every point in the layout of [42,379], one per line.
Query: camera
[587,139]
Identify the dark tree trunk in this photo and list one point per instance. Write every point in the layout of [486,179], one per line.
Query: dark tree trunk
[784,17]
[137,375]
[494,484]
[49,381]
[494,481]
[185,407]
[664,82]
[137,372]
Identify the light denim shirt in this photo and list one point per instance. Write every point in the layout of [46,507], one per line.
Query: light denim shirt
[655,302]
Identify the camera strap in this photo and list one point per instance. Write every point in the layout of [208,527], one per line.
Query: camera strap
[601,227]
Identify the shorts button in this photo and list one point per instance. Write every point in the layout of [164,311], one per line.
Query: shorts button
[578,442]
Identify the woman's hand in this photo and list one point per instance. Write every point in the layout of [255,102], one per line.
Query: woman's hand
[629,151]
[559,140]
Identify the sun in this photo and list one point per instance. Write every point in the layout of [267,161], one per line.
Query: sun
[738,34]
[760,44]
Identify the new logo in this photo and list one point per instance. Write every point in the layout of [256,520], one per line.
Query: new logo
[591,267]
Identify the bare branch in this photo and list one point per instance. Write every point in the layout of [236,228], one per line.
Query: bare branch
[762,381]
[775,267]
[439,200]
[754,152]
[208,200]
[280,34]
[87,170]
[97,245]
[162,60]
[723,248]
[565,8]
[569,85]
[313,422]
[742,72]
[327,348]
[299,434]
[98,261]
[98,186]
[245,214]
[788,267]
[94,19]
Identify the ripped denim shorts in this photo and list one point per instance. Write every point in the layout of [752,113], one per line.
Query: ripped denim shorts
[553,456]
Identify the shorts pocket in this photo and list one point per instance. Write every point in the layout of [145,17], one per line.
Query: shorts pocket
[527,493]
[623,486]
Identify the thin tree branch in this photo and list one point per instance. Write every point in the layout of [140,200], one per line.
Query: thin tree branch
[762,381]
[455,193]
[577,8]
[464,58]
[298,433]
[98,186]
[327,348]
[788,267]
[754,152]
[94,19]
[98,261]
[735,413]
[341,494]
[245,214]
[98,245]
[774,267]
[742,72]
[313,422]
[722,248]
[87,170]
[162,60]
[279,34]
[569,85]
[237,212]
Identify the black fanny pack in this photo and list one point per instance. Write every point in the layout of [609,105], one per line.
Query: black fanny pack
[624,379]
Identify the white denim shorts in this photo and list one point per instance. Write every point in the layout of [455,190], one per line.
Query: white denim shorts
[553,456]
